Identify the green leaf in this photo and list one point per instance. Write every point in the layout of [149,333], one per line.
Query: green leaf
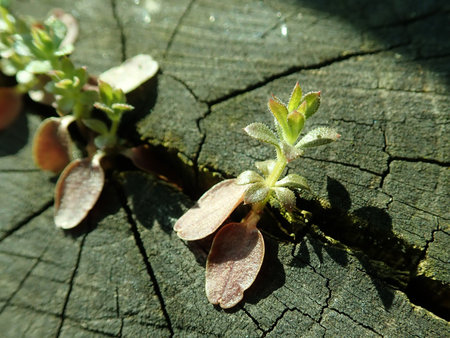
[24,77]
[58,30]
[296,98]
[280,112]
[65,104]
[106,93]
[122,107]
[248,176]
[64,84]
[96,125]
[266,167]
[296,121]
[262,133]
[65,50]
[67,67]
[38,67]
[291,153]
[318,137]
[256,192]
[105,141]
[88,97]
[312,100]
[293,181]
[104,108]
[286,198]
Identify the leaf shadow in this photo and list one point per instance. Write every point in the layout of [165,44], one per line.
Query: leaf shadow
[367,227]
[144,191]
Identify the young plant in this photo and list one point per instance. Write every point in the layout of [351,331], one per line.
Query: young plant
[237,250]
[78,139]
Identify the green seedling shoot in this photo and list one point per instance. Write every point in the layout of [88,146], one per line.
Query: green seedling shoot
[37,55]
[237,250]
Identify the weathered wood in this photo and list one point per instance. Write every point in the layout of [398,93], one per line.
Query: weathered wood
[377,247]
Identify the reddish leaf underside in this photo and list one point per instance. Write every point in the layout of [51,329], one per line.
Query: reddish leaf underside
[211,210]
[10,106]
[50,145]
[77,191]
[233,263]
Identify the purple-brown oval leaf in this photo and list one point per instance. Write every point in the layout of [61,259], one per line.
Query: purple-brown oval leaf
[77,191]
[233,263]
[211,210]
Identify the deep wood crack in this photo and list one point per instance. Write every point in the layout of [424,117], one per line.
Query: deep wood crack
[142,251]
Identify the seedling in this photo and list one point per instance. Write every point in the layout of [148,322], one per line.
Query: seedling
[37,55]
[237,250]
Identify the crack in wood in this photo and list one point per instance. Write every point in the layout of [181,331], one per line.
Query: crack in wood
[123,41]
[143,253]
[24,279]
[176,29]
[71,281]
[357,322]
[410,21]
[296,69]
[26,220]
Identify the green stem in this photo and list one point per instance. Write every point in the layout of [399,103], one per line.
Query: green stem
[114,127]
[257,208]
[277,171]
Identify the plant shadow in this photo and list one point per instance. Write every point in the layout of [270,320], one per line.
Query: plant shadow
[368,230]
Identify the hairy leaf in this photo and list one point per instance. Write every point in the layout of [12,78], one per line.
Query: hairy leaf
[280,112]
[51,144]
[286,197]
[77,190]
[291,153]
[248,176]
[293,181]
[318,137]
[233,263]
[256,192]
[211,210]
[96,125]
[312,100]
[262,133]
[266,167]
[296,98]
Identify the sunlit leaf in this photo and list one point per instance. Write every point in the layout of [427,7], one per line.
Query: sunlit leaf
[262,133]
[266,167]
[211,210]
[280,112]
[312,100]
[51,144]
[291,153]
[293,181]
[71,25]
[318,137]
[296,98]
[256,192]
[77,190]
[248,176]
[233,263]
[285,196]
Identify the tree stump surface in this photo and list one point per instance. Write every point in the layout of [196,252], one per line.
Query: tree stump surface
[373,262]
